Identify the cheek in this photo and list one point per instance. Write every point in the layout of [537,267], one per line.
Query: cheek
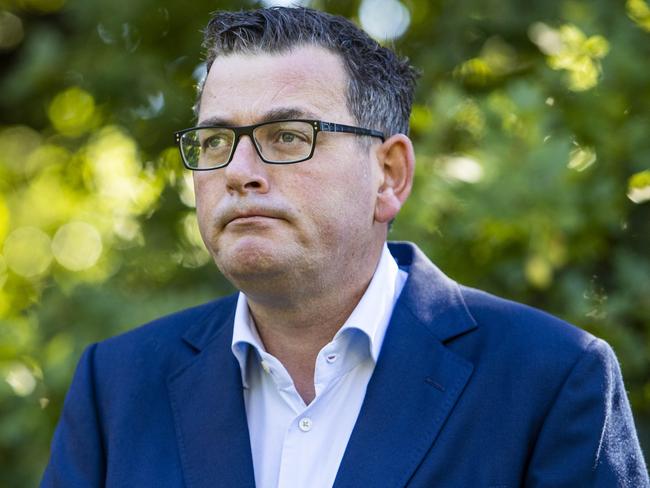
[206,190]
[341,197]
[354,184]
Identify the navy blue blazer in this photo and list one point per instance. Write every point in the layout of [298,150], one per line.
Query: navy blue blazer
[469,391]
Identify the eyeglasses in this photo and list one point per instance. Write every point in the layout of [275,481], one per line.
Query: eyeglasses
[278,142]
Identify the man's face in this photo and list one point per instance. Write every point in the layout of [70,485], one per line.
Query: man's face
[268,224]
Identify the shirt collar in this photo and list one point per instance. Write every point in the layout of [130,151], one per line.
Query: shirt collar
[372,313]
[370,316]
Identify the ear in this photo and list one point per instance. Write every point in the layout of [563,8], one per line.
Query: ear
[396,161]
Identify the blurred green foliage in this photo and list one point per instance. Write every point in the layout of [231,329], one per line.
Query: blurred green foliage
[533,174]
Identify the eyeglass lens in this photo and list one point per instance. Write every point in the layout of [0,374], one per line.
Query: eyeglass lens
[277,142]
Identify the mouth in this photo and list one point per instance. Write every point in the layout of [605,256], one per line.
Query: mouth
[250,219]
[252,216]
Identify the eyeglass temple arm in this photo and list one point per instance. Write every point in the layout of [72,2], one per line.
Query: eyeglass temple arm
[331,127]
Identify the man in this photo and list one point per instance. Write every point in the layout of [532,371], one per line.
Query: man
[340,362]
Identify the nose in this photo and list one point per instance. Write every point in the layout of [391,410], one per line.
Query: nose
[246,172]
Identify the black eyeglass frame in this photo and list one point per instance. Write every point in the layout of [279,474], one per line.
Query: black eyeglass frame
[247,130]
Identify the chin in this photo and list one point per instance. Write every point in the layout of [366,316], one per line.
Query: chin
[251,258]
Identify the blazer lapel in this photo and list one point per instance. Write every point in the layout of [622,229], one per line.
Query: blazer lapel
[416,383]
[209,411]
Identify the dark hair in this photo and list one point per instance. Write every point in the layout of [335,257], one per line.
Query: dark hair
[381,84]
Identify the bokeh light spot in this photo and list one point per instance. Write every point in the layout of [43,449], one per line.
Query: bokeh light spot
[639,12]
[27,251]
[47,201]
[169,164]
[115,168]
[384,19]
[128,228]
[474,71]
[46,155]
[16,144]
[200,73]
[539,272]
[581,158]
[154,106]
[186,190]
[71,112]
[21,380]
[497,59]
[639,187]
[77,246]
[548,40]
[462,168]
[11,30]
[105,34]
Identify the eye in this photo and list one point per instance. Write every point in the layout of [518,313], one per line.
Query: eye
[290,137]
[214,142]
[287,137]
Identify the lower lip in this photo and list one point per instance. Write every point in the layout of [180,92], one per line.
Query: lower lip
[251,220]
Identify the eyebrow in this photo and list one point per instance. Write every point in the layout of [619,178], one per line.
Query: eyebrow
[270,116]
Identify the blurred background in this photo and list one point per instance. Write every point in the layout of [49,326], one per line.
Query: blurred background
[532,134]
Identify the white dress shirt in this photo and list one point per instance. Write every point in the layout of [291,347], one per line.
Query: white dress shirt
[296,445]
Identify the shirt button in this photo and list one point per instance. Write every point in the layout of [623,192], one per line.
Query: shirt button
[266,367]
[305,424]
[330,358]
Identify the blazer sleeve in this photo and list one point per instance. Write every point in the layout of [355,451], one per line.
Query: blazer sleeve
[77,452]
[588,438]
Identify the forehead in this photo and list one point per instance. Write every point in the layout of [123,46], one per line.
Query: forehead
[241,88]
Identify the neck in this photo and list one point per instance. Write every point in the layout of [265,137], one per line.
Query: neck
[295,328]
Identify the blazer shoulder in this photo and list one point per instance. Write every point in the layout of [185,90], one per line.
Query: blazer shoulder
[525,327]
